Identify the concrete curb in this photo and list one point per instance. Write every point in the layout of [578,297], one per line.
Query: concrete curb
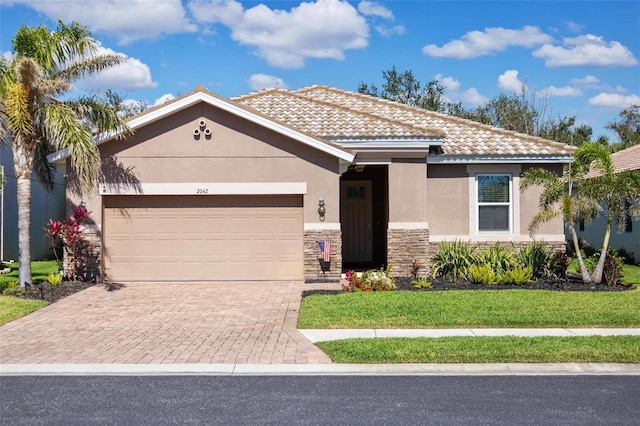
[498,369]
[324,335]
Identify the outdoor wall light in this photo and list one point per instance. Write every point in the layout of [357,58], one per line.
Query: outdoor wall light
[83,204]
[359,168]
[321,209]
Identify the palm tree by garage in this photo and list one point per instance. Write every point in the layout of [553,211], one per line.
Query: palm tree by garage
[37,120]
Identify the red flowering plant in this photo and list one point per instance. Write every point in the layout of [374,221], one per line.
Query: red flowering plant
[69,233]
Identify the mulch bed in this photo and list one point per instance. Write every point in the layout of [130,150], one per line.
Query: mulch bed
[572,283]
[51,293]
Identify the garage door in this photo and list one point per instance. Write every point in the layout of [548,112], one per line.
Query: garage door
[203,238]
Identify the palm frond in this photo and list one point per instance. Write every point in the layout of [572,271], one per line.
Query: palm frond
[17,114]
[87,66]
[66,131]
[101,116]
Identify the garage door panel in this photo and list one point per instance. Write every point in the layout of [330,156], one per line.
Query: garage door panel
[203,238]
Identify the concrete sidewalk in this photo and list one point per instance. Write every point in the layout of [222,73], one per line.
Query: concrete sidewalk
[495,369]
[324,335]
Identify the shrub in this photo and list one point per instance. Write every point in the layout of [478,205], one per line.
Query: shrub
[612,268]
[498,257]
[560,262]
[537,257]
[421,283]
[453,260]
[483,274]
[54,278]
[371,280]
[518,276]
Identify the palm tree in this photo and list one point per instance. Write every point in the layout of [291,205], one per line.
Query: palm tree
[36,121]
[560,199]
[616,192]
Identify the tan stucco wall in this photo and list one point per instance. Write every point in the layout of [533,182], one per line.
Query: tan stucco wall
[408,190]
[448,199]
[167,152]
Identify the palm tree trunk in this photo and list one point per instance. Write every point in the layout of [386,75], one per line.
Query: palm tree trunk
[24,228]
[596,276]
[586,278]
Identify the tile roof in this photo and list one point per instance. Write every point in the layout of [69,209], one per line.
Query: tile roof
[339,114]
[329,120]
[627,159]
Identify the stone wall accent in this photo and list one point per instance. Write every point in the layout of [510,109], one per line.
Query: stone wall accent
[316,269]
[404,246]
[88,258]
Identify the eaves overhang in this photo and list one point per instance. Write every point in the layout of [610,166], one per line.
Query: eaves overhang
[187,101]
[492,159]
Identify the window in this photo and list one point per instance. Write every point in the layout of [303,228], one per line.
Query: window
[494,203]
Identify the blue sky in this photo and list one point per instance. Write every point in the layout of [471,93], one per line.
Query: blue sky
[582,57]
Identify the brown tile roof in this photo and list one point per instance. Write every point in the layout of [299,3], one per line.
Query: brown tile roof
[627,159]
[338,114]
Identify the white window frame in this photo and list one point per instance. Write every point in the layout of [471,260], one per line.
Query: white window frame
[513,172]
[508,204]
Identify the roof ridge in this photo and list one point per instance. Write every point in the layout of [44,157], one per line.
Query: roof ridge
[443,116]
[431,132]
[258,92]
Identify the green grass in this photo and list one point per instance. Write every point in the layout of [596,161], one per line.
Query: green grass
[472,308]
[39,271]
[13,307]
[624,349]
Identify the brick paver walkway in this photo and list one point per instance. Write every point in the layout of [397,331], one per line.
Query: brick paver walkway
[236,323]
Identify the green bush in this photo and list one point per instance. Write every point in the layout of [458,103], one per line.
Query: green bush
[483,274]
[518,276]
[54,278]
[537,257]
[453,260]
[421,283]
[498,257]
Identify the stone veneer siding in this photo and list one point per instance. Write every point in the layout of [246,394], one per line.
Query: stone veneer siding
[89,258]
[315,269]
[404,246]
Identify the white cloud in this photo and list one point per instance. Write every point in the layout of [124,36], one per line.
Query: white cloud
[509,82]
[574,27]
[132,74]
[164,99]
[387,32]
[473,97]
[452,91]
[614,100]
[127,20]
[489,41]
[322,29]
[566,91]
[264,81]
[585,50]
[587,80]
[375,9]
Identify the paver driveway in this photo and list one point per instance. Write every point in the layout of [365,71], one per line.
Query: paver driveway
[237,323]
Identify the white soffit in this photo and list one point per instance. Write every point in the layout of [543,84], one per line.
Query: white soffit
[530,159]
[224,188]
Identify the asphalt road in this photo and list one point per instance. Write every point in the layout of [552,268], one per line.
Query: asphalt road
[325,400]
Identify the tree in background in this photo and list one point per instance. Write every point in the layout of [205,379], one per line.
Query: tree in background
[124,109]
[627,127]
[37,122]
[523,112]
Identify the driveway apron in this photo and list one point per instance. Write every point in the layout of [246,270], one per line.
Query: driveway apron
[159,323]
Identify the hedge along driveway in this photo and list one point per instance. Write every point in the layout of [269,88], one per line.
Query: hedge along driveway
[472,308]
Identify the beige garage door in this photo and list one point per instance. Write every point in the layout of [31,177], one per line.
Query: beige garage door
[203,238]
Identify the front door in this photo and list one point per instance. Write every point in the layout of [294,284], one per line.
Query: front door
[357,226]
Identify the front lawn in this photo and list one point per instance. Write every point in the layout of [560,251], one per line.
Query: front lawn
[13,307]
[472,308]
[39,271]
[625,349]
